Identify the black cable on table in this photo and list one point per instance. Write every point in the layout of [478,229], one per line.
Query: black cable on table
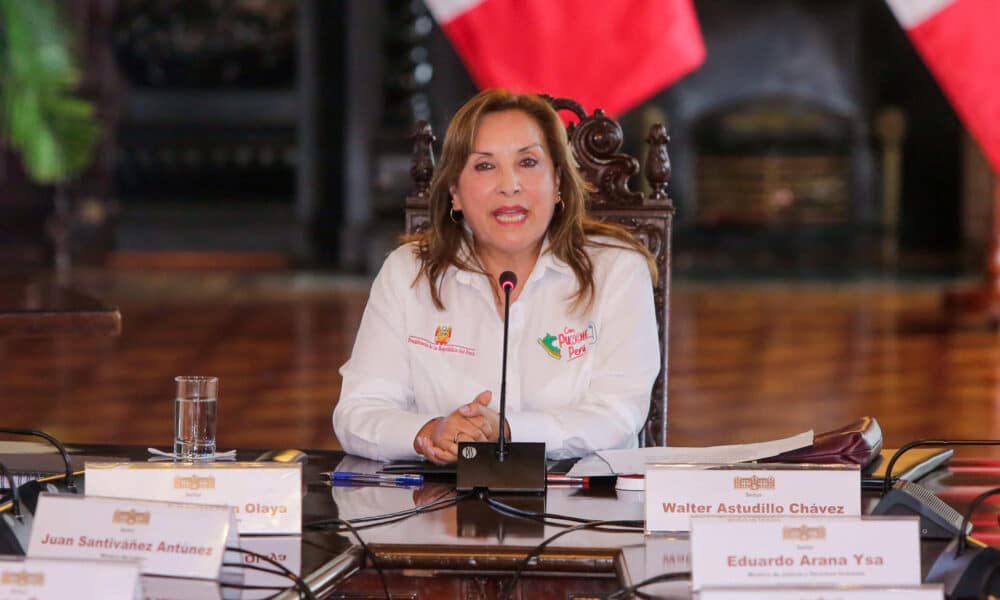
[379,520]
[371,557]
[547,517]
[70,483]
[390,517]
[269,588]
[538,549]
[300,585]
[241,586]
[628,527]
[632,590]
[395,519]
[385,519]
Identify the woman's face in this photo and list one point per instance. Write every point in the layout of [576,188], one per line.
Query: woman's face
[507,189]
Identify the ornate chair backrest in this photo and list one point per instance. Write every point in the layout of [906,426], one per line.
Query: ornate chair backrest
[596,141]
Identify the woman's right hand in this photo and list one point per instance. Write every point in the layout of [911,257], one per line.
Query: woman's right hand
[438,439]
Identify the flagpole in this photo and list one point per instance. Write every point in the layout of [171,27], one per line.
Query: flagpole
[993,266]
[983,303]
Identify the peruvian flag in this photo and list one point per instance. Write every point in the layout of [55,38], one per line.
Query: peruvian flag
[960,42]
[601,53]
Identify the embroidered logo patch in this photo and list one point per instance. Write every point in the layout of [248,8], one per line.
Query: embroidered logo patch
[575,343]
[442,342]
[547,343]
[442,334]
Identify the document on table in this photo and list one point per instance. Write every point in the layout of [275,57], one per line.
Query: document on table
[633,461]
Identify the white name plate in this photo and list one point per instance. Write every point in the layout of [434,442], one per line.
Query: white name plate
[266,497]
[675,493]
[875,551]
[175,588]
[57,579]
[184,540]
[920,592]
[668,554]
[284,549]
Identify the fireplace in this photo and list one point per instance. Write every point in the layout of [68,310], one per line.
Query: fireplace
[772,146]
[772,162]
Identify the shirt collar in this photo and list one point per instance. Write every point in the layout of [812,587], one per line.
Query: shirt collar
[547,261]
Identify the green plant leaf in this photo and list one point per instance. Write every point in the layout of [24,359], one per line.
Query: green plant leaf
[41,118]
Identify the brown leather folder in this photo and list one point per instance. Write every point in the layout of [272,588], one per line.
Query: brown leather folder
[857,443]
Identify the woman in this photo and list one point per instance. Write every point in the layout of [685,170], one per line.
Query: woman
[583,350]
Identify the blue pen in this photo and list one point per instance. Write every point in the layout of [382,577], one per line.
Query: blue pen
[377,478]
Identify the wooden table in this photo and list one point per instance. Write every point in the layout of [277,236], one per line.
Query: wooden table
[464,551]
[469,551]
[37,308]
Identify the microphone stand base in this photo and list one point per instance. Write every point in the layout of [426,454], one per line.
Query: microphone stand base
[521,471]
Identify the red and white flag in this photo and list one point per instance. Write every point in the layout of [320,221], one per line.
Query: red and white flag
[603,54]
[960,42]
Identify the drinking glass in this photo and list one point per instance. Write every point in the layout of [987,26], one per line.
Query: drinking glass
[194,417]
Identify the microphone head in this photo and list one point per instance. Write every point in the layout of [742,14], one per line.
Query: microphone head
[938,521]
[508,280]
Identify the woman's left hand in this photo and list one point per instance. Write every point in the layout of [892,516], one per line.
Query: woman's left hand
[480,407]
[442,449]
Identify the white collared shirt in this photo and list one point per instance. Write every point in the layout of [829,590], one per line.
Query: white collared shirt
[577,381]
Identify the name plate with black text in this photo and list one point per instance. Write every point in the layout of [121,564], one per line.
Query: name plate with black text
[676,493]
[167,538]
[813,551]
[266,497]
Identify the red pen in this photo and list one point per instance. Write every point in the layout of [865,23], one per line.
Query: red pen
[553,479]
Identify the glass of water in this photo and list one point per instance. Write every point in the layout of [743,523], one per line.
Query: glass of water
[194,417]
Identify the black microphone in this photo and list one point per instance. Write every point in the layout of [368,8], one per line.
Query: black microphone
[510,466]
[938,520]
[508,280]
[968,571]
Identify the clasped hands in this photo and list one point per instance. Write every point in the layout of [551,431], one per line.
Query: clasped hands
[438,439]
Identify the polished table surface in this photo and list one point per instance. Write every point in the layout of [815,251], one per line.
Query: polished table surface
[468,550]
[37,307]
[465,539]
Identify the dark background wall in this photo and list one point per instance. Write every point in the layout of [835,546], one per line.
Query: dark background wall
[282,127]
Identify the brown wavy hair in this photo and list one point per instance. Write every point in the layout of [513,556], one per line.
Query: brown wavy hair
[571,229]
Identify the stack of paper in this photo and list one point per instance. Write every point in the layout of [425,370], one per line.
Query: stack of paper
[634,461]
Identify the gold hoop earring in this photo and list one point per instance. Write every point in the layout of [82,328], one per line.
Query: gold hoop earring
[451,214]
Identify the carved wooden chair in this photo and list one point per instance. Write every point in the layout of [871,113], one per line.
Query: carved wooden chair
[596,141]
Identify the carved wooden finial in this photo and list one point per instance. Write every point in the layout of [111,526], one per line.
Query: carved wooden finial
[596,143]
[657,167]
[422,169]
